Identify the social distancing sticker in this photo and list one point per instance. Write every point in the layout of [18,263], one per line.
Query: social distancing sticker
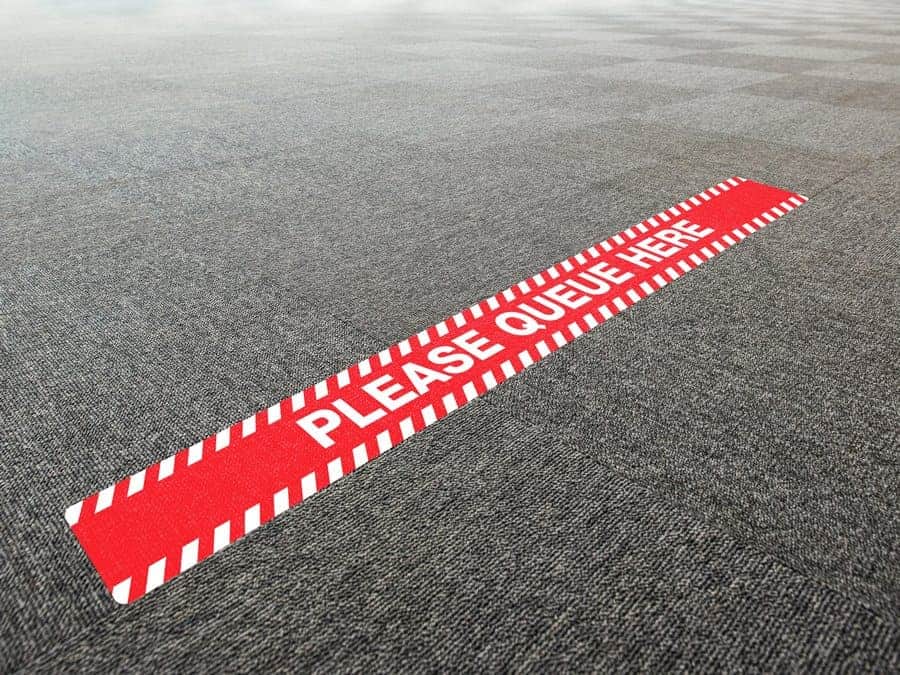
[150,527]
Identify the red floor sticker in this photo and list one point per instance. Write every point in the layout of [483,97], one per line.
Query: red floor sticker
[152,526]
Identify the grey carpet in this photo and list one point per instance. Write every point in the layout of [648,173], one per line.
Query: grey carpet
[203,213]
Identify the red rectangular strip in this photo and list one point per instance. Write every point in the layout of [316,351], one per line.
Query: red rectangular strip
[150,527]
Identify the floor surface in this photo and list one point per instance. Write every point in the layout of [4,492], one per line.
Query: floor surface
[203,213]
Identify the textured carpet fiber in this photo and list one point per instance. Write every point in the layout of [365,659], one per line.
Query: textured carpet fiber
[203,213]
